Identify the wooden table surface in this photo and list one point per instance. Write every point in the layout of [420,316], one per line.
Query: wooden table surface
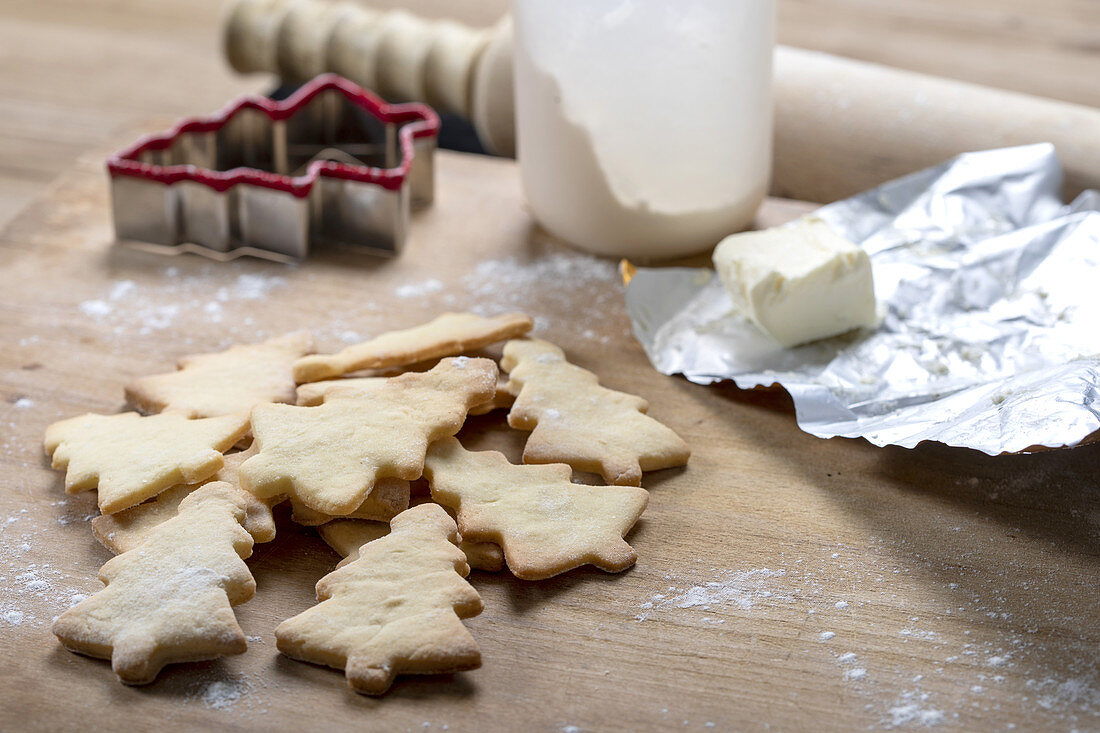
[783,583]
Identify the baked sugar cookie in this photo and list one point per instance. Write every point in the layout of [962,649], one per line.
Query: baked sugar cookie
[544,523]
[329,458]
[397,609]
[313,393]
[576,421]
[130,458]
[448,335]
[389,498]
[169,599]
[346,536]
[125,530]
[226,383]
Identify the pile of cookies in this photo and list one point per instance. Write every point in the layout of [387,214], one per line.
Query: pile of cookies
[187,488]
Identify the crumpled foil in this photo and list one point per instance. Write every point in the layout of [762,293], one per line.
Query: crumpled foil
[988,289]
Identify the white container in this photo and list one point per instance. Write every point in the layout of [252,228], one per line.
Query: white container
[644,126]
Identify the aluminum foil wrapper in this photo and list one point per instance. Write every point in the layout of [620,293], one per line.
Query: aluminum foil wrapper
[988,288]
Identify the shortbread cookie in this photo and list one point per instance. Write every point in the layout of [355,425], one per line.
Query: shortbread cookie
[328,458]
[395,610]
[346,536]
[125,530]
[169,599]
[576,421]
[313,393]
[389,498]
[130,458]
[544,523]
[226,383]
[503,399]
[447,335]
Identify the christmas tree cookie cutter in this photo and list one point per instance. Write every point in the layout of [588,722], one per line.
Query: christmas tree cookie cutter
[332,164]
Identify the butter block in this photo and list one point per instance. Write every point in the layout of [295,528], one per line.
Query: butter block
[798,283]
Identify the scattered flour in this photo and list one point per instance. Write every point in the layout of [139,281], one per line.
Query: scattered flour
[121,289]
[142,309]
[416,290]
[826,635]
[511,278]
[918,634]
[223,694]
[250,286]
[571,284]
[96,308]
[912,708]
[739,589]
[23,403]
[1080,691]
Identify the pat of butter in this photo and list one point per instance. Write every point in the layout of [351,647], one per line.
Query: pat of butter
[798,283]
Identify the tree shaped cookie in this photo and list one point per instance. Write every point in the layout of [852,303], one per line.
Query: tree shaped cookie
[504,398]
[130,458]
[447,335]
[394,610]
[125,530]
[313,393]
[389,498]
[576,421]
[328,458]
[226,383]
[346,536]
[169,599]
[545,524]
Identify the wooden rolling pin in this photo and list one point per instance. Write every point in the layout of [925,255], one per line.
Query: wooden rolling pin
[841,126]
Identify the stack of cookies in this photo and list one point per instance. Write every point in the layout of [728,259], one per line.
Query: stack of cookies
[188,487]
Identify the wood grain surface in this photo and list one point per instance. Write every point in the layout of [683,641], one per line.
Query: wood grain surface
[783,583]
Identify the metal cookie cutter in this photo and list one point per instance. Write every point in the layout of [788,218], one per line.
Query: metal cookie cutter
[331,164]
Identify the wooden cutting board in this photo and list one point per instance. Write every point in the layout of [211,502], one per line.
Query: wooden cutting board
[783,581]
